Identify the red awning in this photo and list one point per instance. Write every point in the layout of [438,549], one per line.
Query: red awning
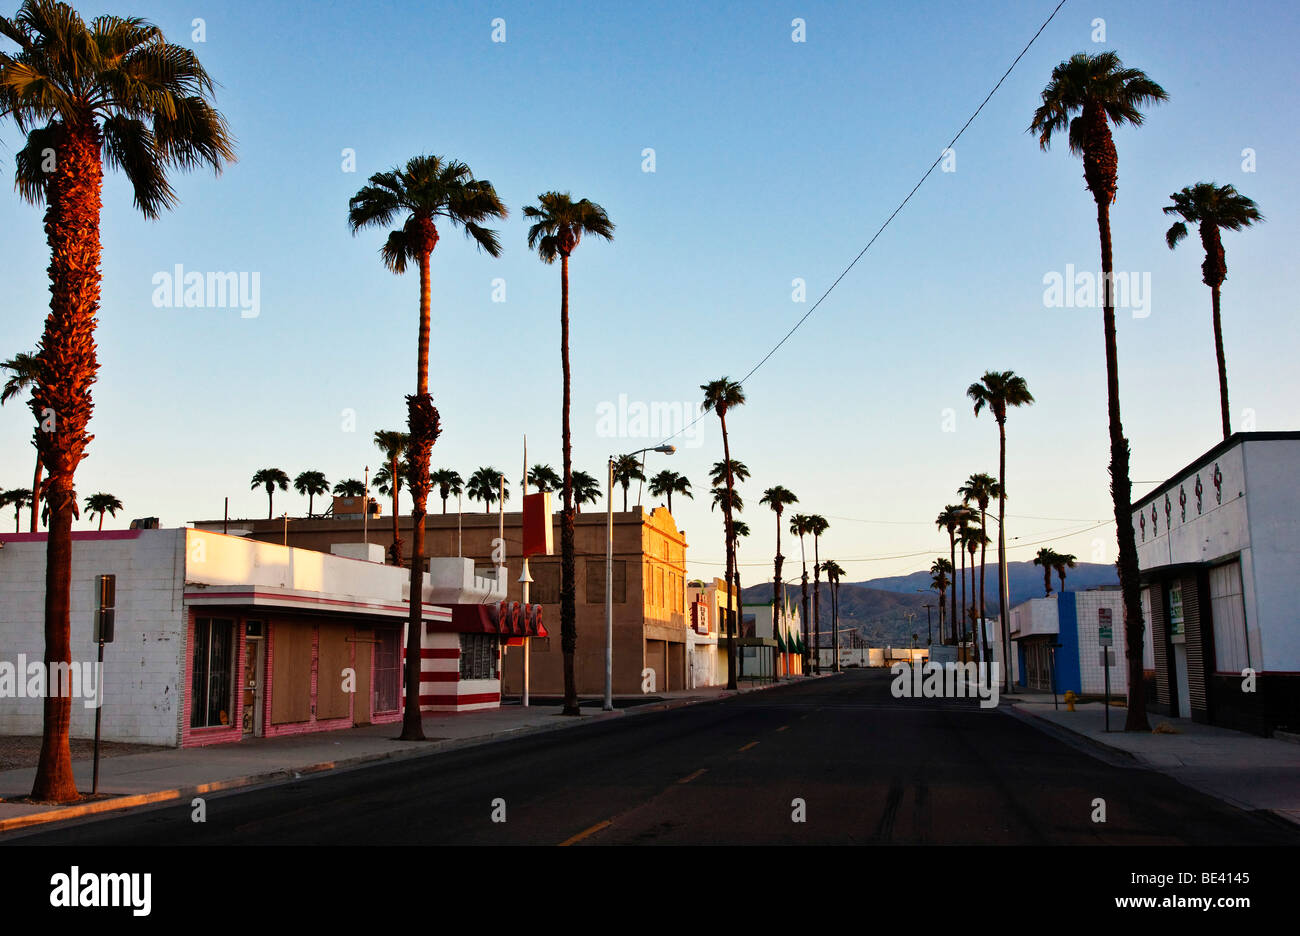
[508,619]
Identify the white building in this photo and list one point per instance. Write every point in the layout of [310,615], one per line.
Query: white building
[1070,623]
[1219,549]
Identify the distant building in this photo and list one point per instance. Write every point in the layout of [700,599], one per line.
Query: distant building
[708,603]
[1219,549]
[1070,623]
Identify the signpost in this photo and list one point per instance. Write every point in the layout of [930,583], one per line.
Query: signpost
[106,588]
[1052,648]
[1105,639]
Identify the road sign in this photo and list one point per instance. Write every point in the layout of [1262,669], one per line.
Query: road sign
[1106,657]
[1105,629]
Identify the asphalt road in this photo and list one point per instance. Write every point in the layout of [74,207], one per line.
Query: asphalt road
[868,769]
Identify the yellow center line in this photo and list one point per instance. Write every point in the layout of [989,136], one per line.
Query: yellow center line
[689,778]
[747,747]
[584,833]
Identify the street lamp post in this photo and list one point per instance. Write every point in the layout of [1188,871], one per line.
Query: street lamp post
[609,572]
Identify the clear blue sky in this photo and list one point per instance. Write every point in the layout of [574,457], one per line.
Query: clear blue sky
[774,160]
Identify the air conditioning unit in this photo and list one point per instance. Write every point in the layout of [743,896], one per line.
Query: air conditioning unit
[144,523]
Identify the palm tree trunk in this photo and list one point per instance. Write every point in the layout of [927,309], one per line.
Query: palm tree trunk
[420,451]
[395,551]
[568,600]
[817,592]
[36,490]
[952,561]
[965,612]
[670,503]
[101,521]
[1121,493]
[776,580]
[270,514]
[66,371]
[984,548]
[1223,364]
[732,599]
[1004,600]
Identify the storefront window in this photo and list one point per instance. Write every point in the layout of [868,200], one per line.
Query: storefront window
[1175,610]
[213,664]
[478,656]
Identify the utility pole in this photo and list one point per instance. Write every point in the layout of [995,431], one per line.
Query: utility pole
[929,638]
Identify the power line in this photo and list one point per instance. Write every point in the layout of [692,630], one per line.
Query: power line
[881,229]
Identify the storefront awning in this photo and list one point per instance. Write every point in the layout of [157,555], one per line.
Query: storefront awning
[507,618]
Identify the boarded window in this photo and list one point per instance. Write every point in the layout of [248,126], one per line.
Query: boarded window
[1228,612]
[335,655]
[596,581]
[291,673]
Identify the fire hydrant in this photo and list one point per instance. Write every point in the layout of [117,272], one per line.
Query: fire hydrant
[1070,699]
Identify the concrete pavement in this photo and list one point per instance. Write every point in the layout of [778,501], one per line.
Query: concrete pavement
[1244,770]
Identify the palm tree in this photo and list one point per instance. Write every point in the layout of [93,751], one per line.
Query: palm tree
[101,504]
[718,473]
[1047,559]
[667,483]
[349,488]
[976,540]
[722,499]
[114,91]
[940,578]
[486,484]
[627,468]
[270,478]
[777,498]
[964,517]
[999,390]
[427,188]
[817,525]
[722,395]
[586,490]
[559,224]
[544,478]
[833,573]
[22,369]
[311,484]
[448,483]
[18,498]
[1102,91]
[1062,562]
[799,527]
[1213,208]
[981,488]
[949,519]
[388,480]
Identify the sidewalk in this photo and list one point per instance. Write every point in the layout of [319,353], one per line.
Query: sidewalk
[183,773]
[1244,770]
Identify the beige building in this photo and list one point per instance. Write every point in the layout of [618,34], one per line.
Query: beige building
[649,578]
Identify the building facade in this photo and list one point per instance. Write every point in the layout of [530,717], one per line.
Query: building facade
[1065,629]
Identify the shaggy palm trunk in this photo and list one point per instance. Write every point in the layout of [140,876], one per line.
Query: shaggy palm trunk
[1100,168]
[422,425]
[732,599]
[66,370]
[568,601]
[1215,271]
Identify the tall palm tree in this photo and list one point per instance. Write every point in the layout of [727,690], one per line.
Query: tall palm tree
[964,517]
[1062,562]
[270,478]
[976,540]
[350,487]
[448,482]
[22,368]
[311,484]
[981,488]
[586,490]
[817,525]
[777,498]
[544,478]
[1213,208]
[1047,559]
[393,443]
[627,468]
[425,189]
[112,91]
[485,484]
[18,498]
[1102,91]
[949,519]
[833,573]
[799,527]
[940,579]
[667,483]
[1000,390]
[718,473]
[101,504]
[721,396]
[559,224]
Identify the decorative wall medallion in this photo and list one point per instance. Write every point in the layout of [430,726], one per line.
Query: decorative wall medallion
[1182,504]
[1142,522]
[1199,489]
[1218,484]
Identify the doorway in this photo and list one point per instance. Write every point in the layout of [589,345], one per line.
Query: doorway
[254,666]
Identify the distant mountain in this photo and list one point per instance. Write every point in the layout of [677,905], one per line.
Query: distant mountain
[879,608]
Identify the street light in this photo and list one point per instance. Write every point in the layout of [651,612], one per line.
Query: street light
[609,571]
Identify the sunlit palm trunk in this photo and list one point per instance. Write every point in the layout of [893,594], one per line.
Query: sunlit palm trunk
[36,490]
[67,369]
[568,599]
[1121,493]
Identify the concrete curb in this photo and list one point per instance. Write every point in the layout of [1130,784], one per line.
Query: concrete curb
[133,801]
